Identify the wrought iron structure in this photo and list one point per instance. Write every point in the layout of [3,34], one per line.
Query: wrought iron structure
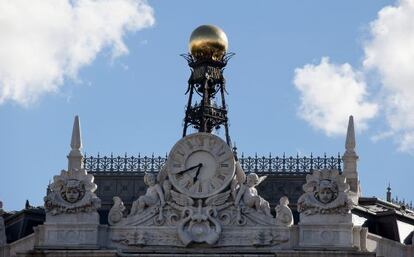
[294,165]
[207,82]
[403,203]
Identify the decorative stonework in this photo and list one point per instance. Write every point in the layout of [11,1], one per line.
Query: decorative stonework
[326,192]
[153,196]
[325,211]
[72,219]
[235,216]
[284,214]
[249,196]
[117,211]
[72,192]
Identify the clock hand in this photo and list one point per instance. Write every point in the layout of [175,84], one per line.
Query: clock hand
[192,167]
[198,170]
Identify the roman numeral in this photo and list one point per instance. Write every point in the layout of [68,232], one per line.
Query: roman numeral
[215,182]
[224,165]
[200,141]
[221,177]
[189,144]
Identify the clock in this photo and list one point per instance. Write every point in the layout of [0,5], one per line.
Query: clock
[200,165]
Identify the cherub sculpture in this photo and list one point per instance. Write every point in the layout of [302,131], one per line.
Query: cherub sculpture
[326,192]
[73,191]
[284,215]
[153,196]
[249,194]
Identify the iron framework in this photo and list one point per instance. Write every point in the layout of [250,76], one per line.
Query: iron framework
[208,84]
[293,165]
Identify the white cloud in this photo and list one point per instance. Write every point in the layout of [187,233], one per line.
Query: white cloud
[42,42]
[382,135]
[330,93]
[390,52]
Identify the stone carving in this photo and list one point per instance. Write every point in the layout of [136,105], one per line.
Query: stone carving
[284,214]
[132,238]
[248,193]
[326,192]
[71,192]
[117,211]
[165,216]
[153,196]
[199,224]
[238,180]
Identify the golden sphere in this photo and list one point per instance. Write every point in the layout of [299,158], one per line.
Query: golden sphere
[208,41]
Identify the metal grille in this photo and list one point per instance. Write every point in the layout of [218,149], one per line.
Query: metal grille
[258,164]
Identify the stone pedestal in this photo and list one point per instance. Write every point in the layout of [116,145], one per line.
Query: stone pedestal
[77,230]
[63,236]
[90,218]
[326,236]
[331,232]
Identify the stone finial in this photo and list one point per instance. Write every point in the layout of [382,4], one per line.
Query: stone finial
[350,158]
[350,136]
[75,156]
[76,141]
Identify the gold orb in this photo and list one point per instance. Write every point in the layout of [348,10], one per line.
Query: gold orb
[208,41]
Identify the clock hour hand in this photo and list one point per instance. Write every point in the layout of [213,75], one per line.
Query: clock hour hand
[192,167]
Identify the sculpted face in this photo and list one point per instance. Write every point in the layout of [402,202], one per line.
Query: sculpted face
[284,200]
[326,193]
[72,194]
[151,180]
[252,180]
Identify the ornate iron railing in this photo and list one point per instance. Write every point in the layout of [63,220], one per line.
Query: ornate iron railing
[407,205]
[289,164]
[259,164]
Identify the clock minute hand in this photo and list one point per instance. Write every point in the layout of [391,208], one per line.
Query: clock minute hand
[192,167]
[198,170]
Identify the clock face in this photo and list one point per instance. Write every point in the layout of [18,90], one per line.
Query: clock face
[200,165]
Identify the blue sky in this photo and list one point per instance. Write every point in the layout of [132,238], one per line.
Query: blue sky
[301,67]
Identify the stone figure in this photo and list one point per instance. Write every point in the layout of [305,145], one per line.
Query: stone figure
[326,192]
[284,214]
[117,211]
[71,192]
[248,193]
[152,197]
